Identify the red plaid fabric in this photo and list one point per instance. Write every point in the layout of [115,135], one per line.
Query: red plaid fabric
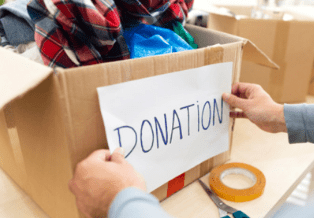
[72,33]
[156,12]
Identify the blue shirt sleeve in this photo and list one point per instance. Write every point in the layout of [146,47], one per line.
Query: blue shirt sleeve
[135,203]
[300,122]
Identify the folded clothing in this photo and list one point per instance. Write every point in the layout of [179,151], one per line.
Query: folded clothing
[153,12]
[148,40]
[185,35]
[16,26]
[29,50]
[85,32]
[76,33]
[33,54]
[21,48]
[198,18]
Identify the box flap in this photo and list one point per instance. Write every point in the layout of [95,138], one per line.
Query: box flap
[229,24]
[18,75]
[253,54]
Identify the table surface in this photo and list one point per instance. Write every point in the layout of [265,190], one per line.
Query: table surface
[283,165]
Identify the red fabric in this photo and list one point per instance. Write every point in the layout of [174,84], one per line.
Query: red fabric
[92,30]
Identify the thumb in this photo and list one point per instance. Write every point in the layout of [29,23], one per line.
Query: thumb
[233,100]
[118,155]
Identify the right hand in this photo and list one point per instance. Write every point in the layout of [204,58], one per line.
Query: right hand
[257,106]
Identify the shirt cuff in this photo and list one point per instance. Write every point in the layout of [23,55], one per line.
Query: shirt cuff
[129,195]
[295,123]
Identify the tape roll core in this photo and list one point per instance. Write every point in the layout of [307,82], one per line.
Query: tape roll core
[238,171]
[237,195]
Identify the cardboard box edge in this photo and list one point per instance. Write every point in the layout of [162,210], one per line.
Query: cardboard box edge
[9,78]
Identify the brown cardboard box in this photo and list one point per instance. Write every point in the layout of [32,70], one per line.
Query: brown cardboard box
[311,87]
[50,119]
[290,44]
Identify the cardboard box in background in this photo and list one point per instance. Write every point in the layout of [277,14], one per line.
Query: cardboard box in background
[289,44]
[50,119]
[311,87]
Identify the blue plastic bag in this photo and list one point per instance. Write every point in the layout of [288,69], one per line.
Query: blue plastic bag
[148,40]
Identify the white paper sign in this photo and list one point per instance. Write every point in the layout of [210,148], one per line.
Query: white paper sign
[170,123]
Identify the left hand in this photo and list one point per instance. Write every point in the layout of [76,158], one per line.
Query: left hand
[99,178]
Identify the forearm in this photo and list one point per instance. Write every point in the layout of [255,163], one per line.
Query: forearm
[300,122]
[135,203]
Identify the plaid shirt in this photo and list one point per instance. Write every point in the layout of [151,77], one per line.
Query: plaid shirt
[156,12]
[84,32]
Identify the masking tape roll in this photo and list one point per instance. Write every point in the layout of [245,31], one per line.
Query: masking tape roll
[237,195]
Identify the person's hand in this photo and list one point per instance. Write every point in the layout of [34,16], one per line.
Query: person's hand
[99,178]
[257,106]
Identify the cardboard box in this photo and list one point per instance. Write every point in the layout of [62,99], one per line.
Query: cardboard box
[308,11]
[50,119]
[288,43]
[311,86]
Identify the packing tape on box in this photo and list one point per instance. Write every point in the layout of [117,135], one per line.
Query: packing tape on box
[237,195]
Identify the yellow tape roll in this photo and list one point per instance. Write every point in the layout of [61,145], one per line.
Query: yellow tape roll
[237,195]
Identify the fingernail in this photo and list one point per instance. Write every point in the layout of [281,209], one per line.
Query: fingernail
[121,151]
[225,95]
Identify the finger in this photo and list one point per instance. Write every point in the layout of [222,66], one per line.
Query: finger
[237,114]
[233,100]
[101,154]
[70,185]
[243,90]
[236,88]
[118,155]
